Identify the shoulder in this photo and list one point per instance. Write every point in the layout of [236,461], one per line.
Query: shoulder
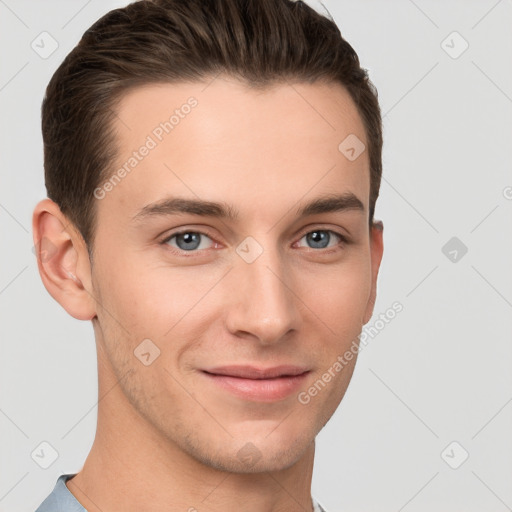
[61,499]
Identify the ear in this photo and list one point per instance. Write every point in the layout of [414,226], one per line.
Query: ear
[376,250]
[63,260]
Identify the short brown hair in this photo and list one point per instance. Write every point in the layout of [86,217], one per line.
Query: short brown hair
[261,42]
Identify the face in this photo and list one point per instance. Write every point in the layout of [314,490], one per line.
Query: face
[237,246]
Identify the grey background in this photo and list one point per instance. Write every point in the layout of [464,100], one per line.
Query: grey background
[439,372]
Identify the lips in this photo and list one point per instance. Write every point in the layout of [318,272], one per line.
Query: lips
[251,372]
[258,384]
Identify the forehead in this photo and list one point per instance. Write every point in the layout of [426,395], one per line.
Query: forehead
[221,140]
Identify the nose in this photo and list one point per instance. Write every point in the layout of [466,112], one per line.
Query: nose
[262,303]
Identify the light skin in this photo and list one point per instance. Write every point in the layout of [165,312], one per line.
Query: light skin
[165,434]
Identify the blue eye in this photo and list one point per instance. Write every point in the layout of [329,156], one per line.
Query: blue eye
[320,239]
[188,241]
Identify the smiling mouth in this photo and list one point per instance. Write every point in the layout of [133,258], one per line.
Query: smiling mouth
[259,385]
[250,378]
[255,373]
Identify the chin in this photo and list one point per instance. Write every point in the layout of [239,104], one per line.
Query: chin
[259,453]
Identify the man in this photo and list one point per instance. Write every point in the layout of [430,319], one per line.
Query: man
[212,169]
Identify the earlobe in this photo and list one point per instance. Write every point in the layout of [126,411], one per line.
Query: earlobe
[376,250]
[61,253]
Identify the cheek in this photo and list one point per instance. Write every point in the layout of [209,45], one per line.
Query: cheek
[157,301]
[339,295]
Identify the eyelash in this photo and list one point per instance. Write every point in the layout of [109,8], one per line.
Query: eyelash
[194,253]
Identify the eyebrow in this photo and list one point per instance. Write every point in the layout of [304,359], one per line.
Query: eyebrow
[176,205]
